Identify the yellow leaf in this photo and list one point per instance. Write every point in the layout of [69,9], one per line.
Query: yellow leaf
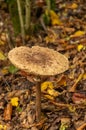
[14,101]
[2,42]
[2,57]
[78,33]
[84,76]
[52,36]
[3,127]
[52,92]
[62,81]
[74,6]
[72,108]
[55,22]
[49,97]
[4,71]
[54,18]
[46,85]
[50,39]
[80,47]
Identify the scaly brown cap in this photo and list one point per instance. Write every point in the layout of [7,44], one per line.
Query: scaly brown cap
[38,60]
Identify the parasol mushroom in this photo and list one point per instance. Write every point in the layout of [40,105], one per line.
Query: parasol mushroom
[39,61]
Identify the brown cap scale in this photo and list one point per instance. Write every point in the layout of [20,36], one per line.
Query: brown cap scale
[38,61]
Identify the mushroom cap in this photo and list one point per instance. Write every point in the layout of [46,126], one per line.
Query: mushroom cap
[38,60]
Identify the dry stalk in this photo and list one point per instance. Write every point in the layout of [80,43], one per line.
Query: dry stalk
[21,21]
[28,14]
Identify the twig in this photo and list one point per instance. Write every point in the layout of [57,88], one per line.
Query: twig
[37,124]
[73,88]
[4,79]
[60,104]
[21,21]
[81,127]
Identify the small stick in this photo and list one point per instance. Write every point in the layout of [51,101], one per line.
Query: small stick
[4,79]
[81,127]
[73,88]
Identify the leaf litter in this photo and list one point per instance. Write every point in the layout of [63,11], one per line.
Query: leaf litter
[64,95]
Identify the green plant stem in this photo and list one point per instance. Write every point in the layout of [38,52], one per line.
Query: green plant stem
[48,5]
[28,14]
[21,21]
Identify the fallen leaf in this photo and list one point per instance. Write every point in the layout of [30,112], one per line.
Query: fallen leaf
[52,37]
[4,37]
[78,33]
[3,127]
[14,101]
[72,108]
[2,56]
[8,112]
[62,81]
[12,69]
[84,76]
[4,71]
[54,18]
[49,97]
[65,122]
[46,85]
[52,92]
[2,42]
[73,88]
[80,47]
[73,6]
[78,98]
[82,127]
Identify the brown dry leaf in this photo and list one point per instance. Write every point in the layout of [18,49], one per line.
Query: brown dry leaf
[51,38]
[73,6]
[62,81]
[78,98]
[8,112]
[4,71]
[3,38]
[40,3]
[23,73]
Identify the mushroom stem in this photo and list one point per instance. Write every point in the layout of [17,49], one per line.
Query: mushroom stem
[38,102]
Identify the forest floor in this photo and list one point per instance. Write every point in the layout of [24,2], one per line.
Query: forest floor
[64,106]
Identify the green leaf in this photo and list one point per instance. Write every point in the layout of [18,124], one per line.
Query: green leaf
[12,69]
[19,109]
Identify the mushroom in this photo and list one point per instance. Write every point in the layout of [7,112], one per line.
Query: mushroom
[41,62]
